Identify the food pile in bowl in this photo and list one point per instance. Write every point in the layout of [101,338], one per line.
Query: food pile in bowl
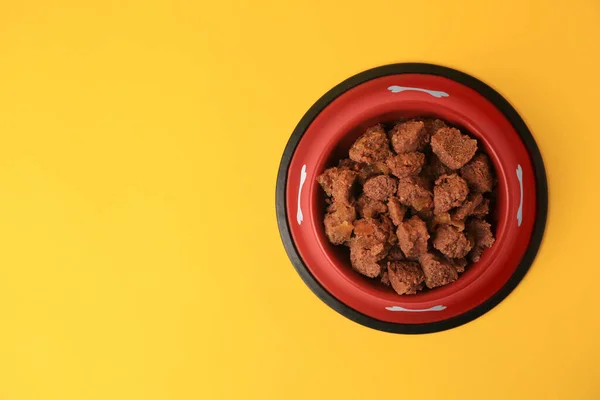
[412,204]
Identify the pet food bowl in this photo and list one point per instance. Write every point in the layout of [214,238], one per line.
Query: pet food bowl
[386,94]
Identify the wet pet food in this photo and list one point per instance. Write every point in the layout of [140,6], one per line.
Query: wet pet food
[411,204]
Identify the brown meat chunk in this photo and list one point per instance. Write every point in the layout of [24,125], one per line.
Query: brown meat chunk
[478,173]
[451,242]
[372,235]
[369,208]
[327,178]
[437,271]
[406,164]
[363,261]
[396,209]
[468,207]
[373,146]
[452,147]
[380,187]
[369,231]
[369,245]
[409,136]
[339,222]
[480,232]
[413,237]
[412,193]
[406,277]
[449,191]
[338,183]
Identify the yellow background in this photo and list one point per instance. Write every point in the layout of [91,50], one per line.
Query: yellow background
[139,253]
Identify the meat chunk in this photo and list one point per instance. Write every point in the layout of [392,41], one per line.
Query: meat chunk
[481,233]
[396,210]
[413,237]
[406,164]
[369,231]
[468,207]
[339,222]
[412,193]
[363,261]
[449,191]
[437,271]
[369,208]
[452,147]
[373,146]
[369,246]
[406,277]
[451,242]
[380,187]
[338,183]
[372,235]
[409,136]
[327,178]
[478,173]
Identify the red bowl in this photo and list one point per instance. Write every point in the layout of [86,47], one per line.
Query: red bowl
[386,94]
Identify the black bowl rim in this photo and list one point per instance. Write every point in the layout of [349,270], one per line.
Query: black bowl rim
[520,127]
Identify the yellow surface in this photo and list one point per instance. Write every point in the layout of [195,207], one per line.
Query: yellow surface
[139,253]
